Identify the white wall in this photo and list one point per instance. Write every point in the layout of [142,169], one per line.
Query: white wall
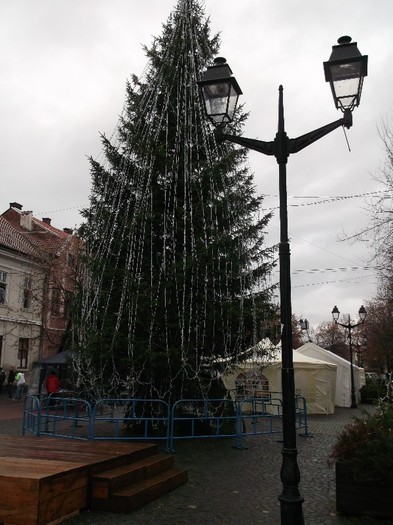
[15,321]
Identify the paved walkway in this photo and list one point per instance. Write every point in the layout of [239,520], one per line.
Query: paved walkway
[234,487]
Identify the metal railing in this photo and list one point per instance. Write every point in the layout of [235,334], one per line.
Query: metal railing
[155,420]
[57,416]
[126,419]
[203,418]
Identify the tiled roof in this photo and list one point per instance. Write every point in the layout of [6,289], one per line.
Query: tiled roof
[42,239]
[13,240]
[60,233]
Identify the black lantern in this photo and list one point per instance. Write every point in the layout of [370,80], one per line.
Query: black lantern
[335,314]
[345,72]
[304,325]
[220,92]
[362,313]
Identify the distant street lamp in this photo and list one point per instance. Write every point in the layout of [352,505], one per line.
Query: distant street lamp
[349,326]
[345,72]
[304,326]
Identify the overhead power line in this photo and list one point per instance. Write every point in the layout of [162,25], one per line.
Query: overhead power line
[335,281]
[326,199]
[339,269]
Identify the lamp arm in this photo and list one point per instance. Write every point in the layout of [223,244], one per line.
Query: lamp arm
[290,145]
[349,326]
[267,148]
[303,141]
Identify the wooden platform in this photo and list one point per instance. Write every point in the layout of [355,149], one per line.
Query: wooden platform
[44,480]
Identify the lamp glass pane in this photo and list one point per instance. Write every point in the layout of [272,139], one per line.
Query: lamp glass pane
[216,100]
[347,92]
[346,71]
[216,106]
[346,88]
[219,90]
[232,101]
[220,101]
[347,84]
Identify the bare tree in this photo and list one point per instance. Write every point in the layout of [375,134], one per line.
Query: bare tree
[379,234]
[381,211]
[331,337]
[379,353]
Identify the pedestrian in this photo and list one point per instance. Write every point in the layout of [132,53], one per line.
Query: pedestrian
[52,385]
[2,379]
[10,381]
[20,385]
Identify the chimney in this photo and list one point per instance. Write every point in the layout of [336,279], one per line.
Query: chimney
[70,231]
[26,220]
[46,220]
[16,205]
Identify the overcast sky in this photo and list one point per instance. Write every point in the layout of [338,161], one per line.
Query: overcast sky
[64,64]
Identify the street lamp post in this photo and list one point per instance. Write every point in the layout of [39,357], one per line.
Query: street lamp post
[349,326]
[345,72]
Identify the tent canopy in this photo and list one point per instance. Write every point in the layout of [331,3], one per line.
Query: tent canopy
[343,381]
[315,379]
[42,368]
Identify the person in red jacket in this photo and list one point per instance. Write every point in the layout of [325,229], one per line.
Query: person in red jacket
[52,385]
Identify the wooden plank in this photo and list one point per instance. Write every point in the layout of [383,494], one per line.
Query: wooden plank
[62,504]
[70,450]
[135,496]
[19,501]
[64,482]
[34,443]
[17,467]
[104,483]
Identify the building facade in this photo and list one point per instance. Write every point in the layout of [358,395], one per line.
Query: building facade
[38,265]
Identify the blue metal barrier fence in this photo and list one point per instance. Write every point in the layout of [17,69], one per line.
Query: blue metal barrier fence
[155,420]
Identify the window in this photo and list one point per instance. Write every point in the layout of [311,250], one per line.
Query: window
[3,286]
[71,260]
[252,384]
[68,299]
[55,302]
[1,348]
[27,292]
[23,352]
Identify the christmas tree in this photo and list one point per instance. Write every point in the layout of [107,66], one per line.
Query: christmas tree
[176,273]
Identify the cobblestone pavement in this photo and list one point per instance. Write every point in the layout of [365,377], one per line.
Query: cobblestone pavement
[228,486]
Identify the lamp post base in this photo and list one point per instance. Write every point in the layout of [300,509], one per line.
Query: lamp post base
[291,511]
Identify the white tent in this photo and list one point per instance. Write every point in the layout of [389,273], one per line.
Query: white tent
[343,383]
[315,380]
